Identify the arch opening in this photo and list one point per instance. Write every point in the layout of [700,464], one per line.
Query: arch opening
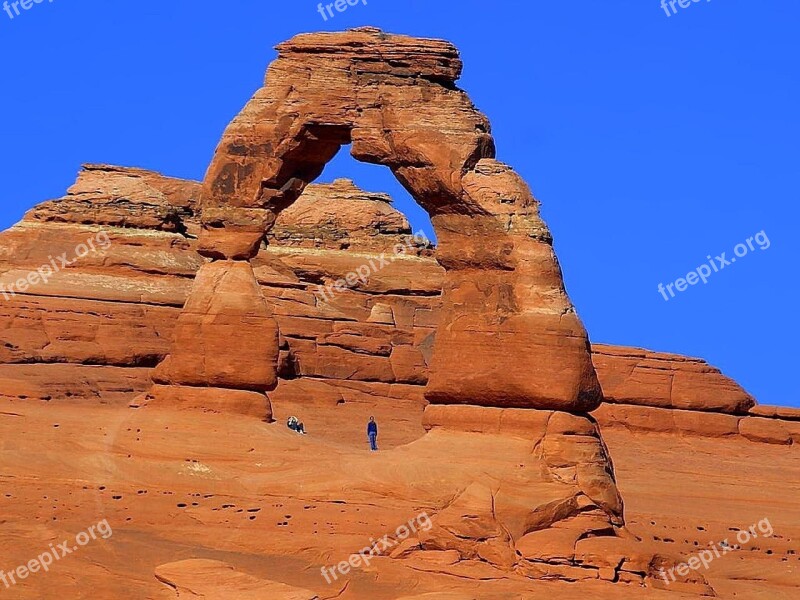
[375,178]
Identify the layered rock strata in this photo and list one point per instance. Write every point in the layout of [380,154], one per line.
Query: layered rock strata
[97,327]
[507,336]
[645,378]
[395,100]
[342,353]
[227,296]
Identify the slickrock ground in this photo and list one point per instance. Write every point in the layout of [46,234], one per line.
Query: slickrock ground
[147,371]
[278,507]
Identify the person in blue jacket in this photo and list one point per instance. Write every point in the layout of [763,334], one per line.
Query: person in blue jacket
[372,434]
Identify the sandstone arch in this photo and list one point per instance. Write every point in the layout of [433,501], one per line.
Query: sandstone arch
[509,337]
[511,362]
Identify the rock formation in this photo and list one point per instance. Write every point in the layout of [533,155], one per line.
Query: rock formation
[123,197]
[644,378]
[99,340]
[215,307]
[394,99]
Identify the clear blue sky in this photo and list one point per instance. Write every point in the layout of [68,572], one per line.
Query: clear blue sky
[652,141]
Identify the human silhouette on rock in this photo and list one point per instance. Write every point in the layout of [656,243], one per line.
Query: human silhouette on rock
[372,434]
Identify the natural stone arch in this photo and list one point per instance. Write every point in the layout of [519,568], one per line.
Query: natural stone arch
[509,346]
[509,335]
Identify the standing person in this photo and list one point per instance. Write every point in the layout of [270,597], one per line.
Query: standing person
[372,434]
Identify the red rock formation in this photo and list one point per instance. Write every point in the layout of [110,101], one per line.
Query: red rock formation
[645,378]
[123,197]
[668,393]
[112,314]
[112,325]
[507,337]
[776,412]
[209,349]
[517,478]
[394,98]
[342,216]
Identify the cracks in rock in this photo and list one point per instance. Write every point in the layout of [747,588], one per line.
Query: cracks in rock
[339,594]
[463,577]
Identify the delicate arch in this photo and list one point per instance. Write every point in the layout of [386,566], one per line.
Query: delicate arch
[509,334]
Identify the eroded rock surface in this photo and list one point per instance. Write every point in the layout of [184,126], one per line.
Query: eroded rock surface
[645,378]
[395,99]
[341,361]
[216,580]
[123,197]
[443,345]
[103,322]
